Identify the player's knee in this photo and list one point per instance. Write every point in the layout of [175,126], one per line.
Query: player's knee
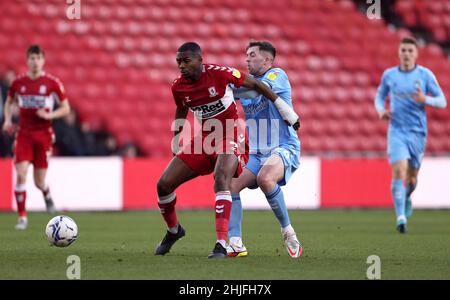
[163,186]
[21,178]
[265,181]
[412,180]
[399,173]
[39,184]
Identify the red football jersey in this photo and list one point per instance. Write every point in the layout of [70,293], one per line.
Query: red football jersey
[35,94]
[211,96]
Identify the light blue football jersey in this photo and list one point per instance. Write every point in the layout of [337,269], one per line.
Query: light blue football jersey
[267,129]
[407,114]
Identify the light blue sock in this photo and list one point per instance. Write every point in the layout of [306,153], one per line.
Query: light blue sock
[276,202]
[399,196]
[235,225]
[409,189]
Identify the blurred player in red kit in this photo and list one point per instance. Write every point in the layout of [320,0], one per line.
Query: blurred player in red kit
[205,89]
[35,92]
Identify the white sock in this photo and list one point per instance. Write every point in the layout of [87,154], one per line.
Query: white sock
[402,218]
[288,228]
[174,229]
[223,243]
[236,240]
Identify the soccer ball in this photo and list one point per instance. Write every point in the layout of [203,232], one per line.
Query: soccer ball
[61,231]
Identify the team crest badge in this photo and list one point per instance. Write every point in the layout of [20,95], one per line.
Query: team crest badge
[42,89]
[23,89]
[212,92]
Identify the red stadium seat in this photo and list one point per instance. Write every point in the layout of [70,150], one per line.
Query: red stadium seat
[118,64]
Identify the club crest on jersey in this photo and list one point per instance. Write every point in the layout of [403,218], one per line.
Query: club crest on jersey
[42,89]
[212,92]
[23,89]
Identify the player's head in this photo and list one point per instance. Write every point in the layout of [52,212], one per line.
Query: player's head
[189,60]
[408,52]
[35,58]
[260,57]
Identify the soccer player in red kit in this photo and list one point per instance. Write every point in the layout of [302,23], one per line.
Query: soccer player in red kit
[35,92]
[205,89]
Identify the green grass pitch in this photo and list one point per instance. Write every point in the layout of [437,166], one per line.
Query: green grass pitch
[119,245]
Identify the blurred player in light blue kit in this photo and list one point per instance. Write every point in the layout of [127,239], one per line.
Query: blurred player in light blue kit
[411,87]
[274,149]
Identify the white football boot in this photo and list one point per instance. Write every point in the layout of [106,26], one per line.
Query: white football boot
[236,248]
[22,223]
[293,246]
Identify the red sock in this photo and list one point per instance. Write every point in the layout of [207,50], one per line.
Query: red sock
[223,210]
[167,207]
[21,198]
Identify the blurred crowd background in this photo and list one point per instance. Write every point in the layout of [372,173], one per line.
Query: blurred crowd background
[117,63]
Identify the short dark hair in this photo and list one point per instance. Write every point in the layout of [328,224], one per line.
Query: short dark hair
[409,40]
[35,49]
[190,46]
[263,46]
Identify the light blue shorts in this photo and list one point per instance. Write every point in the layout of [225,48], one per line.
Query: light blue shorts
[289,155]
[406,146]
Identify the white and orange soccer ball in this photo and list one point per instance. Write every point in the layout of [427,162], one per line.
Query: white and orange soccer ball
[61,231]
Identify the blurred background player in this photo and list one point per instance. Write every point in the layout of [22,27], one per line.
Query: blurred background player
[35,92]
[272,161]
[205,89]
[410,88]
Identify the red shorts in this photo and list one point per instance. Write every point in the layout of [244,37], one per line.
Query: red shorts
[34,146]
[200,154]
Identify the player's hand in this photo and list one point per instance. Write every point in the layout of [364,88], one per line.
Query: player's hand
[42,113]
[385,115]
[296,126]
[8,127]
[419,96]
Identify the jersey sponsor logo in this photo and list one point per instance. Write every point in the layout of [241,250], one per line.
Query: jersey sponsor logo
[42,89]
[208,110]
[272,76]
[212,92]
[31,101]
[254,108]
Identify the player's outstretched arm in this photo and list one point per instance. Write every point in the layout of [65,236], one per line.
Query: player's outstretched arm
[286,112]
[7,125]
[62,111]
[244,93]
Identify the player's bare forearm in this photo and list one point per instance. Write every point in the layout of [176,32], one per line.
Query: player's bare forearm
[180,118]
[62,111]
[178,123]
[7,109]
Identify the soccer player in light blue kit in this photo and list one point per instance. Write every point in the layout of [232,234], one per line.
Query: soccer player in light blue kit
[411,88]
[274,149]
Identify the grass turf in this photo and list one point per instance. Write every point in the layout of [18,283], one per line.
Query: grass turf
[120,245]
